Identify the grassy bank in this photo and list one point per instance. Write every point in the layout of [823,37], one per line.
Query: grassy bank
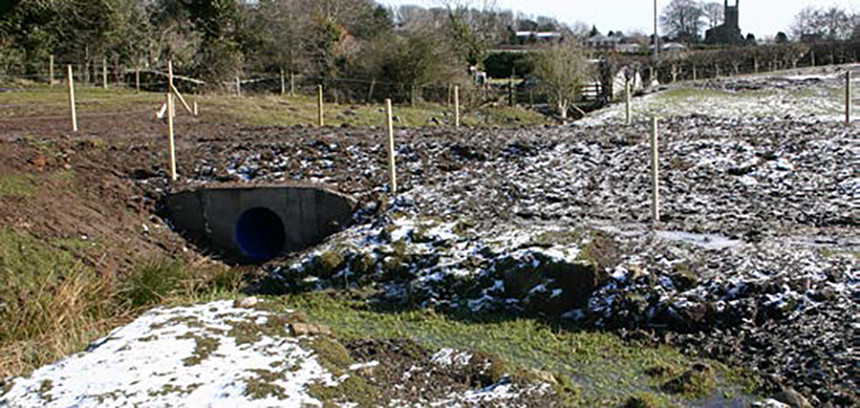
[25,99]
[605,369]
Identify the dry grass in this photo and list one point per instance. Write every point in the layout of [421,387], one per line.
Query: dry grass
[51,304]
[35,100]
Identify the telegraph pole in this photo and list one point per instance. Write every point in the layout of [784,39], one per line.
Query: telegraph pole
[656,35]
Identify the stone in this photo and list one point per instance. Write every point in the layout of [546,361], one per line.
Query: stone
[304,329]
[792,398]
[246,302]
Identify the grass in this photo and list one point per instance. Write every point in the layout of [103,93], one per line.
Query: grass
[606,369]
[52,304]
[16,186]
[31,99]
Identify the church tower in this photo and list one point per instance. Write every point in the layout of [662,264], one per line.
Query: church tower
[732,14]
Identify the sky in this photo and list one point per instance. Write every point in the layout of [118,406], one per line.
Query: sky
[763,18]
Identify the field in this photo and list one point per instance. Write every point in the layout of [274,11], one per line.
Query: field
[517,265]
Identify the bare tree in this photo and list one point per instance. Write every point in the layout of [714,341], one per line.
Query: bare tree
[714,13]
[831,23]
[562,70]
[683,19]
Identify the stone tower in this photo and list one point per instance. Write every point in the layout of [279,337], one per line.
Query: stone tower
[732,14]
[730,31]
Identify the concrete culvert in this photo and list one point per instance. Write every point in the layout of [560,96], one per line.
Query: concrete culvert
[260,233]
[257,223]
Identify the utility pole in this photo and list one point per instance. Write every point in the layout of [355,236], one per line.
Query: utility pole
[656,35]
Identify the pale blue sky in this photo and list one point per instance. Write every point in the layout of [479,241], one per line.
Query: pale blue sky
[761,17]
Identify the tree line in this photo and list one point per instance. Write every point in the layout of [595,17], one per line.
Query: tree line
[686,21]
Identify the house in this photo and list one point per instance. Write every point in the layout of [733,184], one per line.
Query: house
[670,46]
[604,42]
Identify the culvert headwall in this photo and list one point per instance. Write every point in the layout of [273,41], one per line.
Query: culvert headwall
[256,223]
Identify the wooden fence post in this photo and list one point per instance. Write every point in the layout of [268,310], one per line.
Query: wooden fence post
[51,70]
[848,96]
[511,100]
[238,87]
[449,94]
[292,84]
[171,112]
[655,182]
[171,142]
[104,73]
[283,84]
[320,115]
[694,73]
[456,105]
[72,98]
[627,100]
[392,173]
[136,79]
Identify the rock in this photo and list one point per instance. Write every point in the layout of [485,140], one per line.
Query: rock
[769,403]
[38,161]
[304,329]
[792,398]
[246,302]
[543,376]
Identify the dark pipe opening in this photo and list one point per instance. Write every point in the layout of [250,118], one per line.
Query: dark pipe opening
[260,233]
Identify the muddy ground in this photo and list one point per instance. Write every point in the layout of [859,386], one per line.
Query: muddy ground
[762,216]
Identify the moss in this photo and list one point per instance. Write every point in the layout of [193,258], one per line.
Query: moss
[166,389]
[684,277]
[245,331]
[203,348]
[568,392]
[611,368]
[44,388]
[326,264]
[601,252]
[646,400]
[548,239]
[362,264]
[17,185]
[188,321]
[353,389]
[331,354]
[263,385]
[697,382]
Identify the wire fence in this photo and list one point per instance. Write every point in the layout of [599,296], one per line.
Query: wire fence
[522,92]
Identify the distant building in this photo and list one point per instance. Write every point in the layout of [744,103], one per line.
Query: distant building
[728,32]
[603,42]
[811,38]
[525,36]
[611,42]
[670,46]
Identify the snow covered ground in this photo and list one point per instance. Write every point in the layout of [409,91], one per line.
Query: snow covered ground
[806,97]
[219,355]
[184,356]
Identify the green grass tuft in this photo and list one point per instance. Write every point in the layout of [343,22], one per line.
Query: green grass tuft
[151,283]
[17,186]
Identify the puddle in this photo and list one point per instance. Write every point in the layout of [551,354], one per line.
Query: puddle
[706,241]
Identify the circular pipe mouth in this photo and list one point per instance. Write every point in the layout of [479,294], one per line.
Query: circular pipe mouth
[260,234]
